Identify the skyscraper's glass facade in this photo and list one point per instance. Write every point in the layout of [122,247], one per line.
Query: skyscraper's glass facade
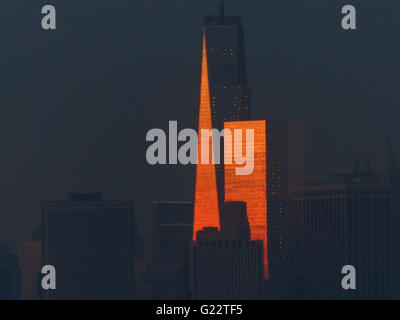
[206,213]
[252,188]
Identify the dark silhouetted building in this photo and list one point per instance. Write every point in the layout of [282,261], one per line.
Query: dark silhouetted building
[224,96]
[394,175]
[90,242]
[225,264]
[227,72]
[168,276]
[9,274]
[168,272]
[174,223]
[286,169]
[234,222]
[346,221]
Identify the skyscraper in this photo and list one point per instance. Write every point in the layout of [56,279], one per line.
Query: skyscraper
[227,73]
[279,147]
[226,264]
[227,269]
[9,273]
[278,165]
[251,188]
[345,221]
[286,168]
[90,243]
[394,176]
[168,276]
[227,76]
[206,208]
[224,97]
[175,223]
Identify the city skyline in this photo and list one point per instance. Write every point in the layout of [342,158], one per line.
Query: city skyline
[271,52]
[78,106]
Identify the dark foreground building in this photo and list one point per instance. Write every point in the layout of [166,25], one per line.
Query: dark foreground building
[90,242]
[9,273]
[343,222]
[225,264]
[286,169]
[167,274]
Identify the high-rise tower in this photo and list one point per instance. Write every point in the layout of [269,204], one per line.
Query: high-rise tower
[224,97]
[226,68]
[229,95]
[252,188]
[90,242]
[206,212]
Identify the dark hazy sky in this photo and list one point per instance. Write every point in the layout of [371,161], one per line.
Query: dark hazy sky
[76,103]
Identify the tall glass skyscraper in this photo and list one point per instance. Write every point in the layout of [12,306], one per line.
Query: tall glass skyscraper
[224,97]
[227,76]
[226,69]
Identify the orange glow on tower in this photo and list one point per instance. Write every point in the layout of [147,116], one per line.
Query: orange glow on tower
[252,188]
[206,213]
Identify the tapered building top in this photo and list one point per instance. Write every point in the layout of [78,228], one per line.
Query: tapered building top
[224,97]
[206,209]
[227,75]
[227,68]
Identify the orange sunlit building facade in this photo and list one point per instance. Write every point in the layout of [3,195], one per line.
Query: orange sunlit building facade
[206,212]
[224,103]
[252,188]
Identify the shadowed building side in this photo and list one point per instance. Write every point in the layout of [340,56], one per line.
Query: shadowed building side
[226,264]
[343,221]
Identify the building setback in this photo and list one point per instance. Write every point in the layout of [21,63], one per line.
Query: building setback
[90,243]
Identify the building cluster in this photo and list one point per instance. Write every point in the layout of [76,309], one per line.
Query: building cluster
[271,234]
